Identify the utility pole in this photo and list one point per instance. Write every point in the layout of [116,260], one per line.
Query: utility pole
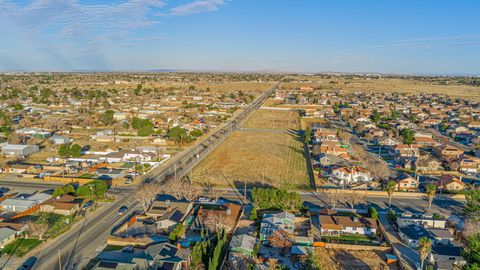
[245,191]
[59,260]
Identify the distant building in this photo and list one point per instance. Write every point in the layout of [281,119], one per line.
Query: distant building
[448,152]
[58,139]
[450,183]
[19,150]
[407,151]
[350,175]
[406,182]
[109,173]
[22,203]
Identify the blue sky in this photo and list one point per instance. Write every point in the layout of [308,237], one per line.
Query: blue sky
[403,36]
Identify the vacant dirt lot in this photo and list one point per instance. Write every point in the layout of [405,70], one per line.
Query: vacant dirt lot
[332,259]
[387,85]
[268,158]
[273,119]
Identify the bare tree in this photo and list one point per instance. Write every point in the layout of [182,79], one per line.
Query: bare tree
[37,229]
[345,137]
[15,138]
[173,187]
[377,167]
[216,221]
[281,239]
[333,197]
[210,190]
[190,191]
[146,194]
[355,198]
[181,189]
[470,227]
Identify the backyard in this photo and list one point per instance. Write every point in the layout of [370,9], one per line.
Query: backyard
[259,158]
[333,259]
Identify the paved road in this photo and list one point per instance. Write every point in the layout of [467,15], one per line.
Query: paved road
[186,160]
[399,204]
[79,244]
[35,185]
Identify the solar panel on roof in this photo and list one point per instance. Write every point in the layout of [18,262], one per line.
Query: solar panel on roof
[167,266]
[111,265]
[177,216]
[168,251]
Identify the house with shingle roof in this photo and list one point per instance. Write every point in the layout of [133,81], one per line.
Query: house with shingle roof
[62,205]
[243,243]
[168,213]
[273,222]
[450,182]
[337,225]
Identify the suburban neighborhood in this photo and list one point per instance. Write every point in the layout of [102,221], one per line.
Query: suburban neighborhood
[383,181]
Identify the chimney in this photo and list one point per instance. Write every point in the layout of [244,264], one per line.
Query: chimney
[229,211]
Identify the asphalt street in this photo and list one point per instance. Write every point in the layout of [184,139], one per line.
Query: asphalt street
[75,248]
[80,244]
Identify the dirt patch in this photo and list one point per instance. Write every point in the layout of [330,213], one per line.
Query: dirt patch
[273,119]
[333,259]
[382,85]
[258,158]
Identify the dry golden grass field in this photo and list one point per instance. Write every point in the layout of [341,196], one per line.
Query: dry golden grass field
[268,158]
[273,119]
[331,259]
[387,85]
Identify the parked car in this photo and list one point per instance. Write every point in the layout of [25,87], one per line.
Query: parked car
[87,205]
[128,249]
[122,210]
[28,264]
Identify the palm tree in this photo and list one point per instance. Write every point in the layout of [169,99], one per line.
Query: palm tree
[424,248]
[431,191]
[391,187]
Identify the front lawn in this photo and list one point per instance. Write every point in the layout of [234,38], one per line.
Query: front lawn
[349,239]
[88,176]
[57,224]
[20,246]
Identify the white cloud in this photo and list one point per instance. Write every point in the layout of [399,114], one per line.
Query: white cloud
[198,6]
[431,42]
[70,17]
